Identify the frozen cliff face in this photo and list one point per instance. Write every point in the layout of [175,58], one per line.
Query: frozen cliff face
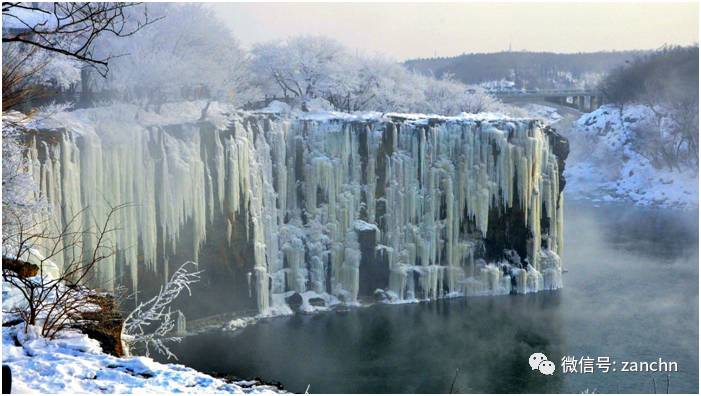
[336,205]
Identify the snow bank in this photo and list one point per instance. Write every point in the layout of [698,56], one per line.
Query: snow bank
[74,363]
[547,114]
[121,116]
[276,107]
[605,165]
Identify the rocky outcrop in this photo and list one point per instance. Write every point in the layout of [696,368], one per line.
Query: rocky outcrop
[104,324]
[22,268]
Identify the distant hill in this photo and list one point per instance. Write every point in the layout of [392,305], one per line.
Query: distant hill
[527,69]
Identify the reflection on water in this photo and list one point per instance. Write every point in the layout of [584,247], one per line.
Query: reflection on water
[631,293]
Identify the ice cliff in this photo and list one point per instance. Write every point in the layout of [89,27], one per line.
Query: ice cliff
[342,206]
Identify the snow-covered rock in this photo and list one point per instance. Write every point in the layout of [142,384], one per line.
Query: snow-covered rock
[606,166]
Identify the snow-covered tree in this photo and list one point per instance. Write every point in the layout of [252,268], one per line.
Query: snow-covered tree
[188,54]
[20,199]
[305,68]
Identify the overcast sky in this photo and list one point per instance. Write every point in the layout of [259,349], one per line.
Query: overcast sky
[404,31]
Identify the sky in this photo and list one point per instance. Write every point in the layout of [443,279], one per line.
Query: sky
[402,31]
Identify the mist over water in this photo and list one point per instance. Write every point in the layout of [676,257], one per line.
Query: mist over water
[631,293]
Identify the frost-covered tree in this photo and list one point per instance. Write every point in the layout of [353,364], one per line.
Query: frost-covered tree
[48,47]
[32,76]
[20,199]
[189,54]
[305,68]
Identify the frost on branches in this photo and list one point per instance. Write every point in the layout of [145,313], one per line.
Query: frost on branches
[305,68]
[20,195]
[152,323]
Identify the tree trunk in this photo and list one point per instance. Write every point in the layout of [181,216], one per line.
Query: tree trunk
[86,97]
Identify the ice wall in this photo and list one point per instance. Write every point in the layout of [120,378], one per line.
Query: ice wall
[336,206]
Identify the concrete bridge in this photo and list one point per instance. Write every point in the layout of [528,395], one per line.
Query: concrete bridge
[584,100]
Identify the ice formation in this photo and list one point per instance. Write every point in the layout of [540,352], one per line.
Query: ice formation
[340,206]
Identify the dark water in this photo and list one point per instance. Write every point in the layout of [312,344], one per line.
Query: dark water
[631,294]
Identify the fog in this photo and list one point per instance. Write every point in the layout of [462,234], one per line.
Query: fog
[631,293]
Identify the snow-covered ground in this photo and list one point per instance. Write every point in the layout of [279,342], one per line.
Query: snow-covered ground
[547,114]
[74,363]
[605,166]
[322,113]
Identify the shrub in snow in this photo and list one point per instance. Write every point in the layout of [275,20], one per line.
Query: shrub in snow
[54,301]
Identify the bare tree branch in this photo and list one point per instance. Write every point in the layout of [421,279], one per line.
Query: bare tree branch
[71,29]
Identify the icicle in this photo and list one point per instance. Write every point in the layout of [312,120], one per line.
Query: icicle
[428,189]
[180,325]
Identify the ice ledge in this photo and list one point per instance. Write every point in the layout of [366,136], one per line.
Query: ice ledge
[83,121]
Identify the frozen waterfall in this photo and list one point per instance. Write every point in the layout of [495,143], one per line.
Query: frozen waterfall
[338,206]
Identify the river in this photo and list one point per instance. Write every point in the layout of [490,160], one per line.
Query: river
[631,294]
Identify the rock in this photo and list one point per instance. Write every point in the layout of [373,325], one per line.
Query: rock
[381,296]
[247,384]
[21,268]
[512,257]
[104,325]
[6,379]
[295,301]
[317,302]
[561,149]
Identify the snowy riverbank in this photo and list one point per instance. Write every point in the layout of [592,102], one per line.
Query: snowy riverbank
[606,165]
[74,363]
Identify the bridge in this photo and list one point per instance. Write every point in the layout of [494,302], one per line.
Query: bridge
[585,100]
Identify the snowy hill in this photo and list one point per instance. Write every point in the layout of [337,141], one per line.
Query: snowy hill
[606,163]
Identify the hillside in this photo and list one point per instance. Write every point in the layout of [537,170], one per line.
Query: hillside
[527,69]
